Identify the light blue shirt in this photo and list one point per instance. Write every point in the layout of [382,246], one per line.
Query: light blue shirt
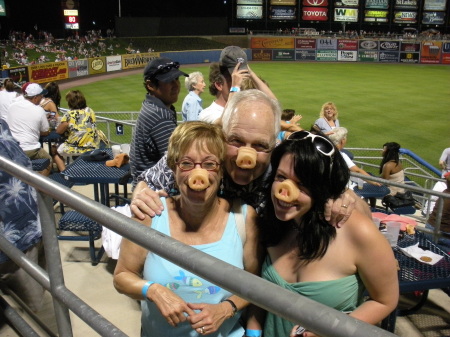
[192,106]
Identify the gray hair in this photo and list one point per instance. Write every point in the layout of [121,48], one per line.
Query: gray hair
[338,135]
[192,80]
[252,95]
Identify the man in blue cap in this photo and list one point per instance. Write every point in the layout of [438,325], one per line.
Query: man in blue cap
[157,118]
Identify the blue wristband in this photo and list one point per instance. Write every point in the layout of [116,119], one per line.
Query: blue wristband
[145,288]
[253,333]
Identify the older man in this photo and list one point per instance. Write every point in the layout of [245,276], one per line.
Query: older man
[157,118]
[28,121]
[250,120]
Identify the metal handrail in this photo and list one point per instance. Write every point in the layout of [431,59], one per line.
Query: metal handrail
[287,304]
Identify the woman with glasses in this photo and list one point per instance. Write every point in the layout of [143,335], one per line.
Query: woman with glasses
[175,302]
[306,255]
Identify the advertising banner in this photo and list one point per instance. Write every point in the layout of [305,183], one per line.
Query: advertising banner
[78,68]
[406,4]
[345,15]
[431,52]
[19,75]
[282,13]
[249,2]
[272,43]
[326,55]
[345,44]
[405,17]
[283,55]
[315,14]
[388,56]
[48,72]
[2,8]
[433,18]
[305,55]
[97,65]
[315,3]
[390,45]
[446,53]
[347,55]
[140,60]
[411,47]
[284,2]
[346,3]
[249,12]
[434,5]
[377,4]
[305,44]
[113,63]
[376,16]
[409,57]
[262,55]
[368,56]
[327,43]
[368,44]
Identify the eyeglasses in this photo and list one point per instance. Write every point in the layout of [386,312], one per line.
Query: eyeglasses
[208,165]
[165,68]
[322,144]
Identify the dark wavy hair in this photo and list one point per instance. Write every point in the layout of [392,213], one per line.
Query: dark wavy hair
[53,93]
[325,177]
[392,153]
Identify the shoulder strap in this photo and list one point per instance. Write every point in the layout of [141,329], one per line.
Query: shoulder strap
[240,220]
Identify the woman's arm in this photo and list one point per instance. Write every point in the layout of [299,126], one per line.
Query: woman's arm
[62,128]
[386,171]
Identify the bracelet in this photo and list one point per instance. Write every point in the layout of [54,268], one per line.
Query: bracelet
[145,288]
[233,306]
[253,333]
[235,89]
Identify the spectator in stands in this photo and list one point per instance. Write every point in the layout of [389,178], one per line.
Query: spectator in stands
[328,118]
[28,121]
[79,125]
[391,168]
[311,258]
[157,118]
[444,161]
[288,116]
[19,224]
[192,104]
[444,241]
[219,87]
[7,96]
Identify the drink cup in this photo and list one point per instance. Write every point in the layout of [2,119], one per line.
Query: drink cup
[125,148]
[115,150]
[360,184]
[392,232]
[376,221]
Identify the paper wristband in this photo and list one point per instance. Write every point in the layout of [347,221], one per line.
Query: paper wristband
[253,333]
[145,288]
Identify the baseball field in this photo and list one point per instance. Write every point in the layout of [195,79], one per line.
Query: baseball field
[377,103]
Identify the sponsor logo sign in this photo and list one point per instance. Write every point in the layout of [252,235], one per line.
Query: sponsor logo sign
[390,45]
[326,55]
[314,14]
[262,55]
[375,16]
[377,4]
[409,57]
[249,12]
[346,14]
[327,43]
[433,18]
[139,60]
[315,3]
[406,4]
[410,47]
[283,2]
[346,3]
[446,53]
[405,17]
[48,72]
[347,55]
[113,63]
[78,68]
[388,56]
[97,65]
[272,43]
[283,55]
[309,55]
[19,74]
[305,43]
[250,2]
[368,44]
[283,13]
[434,5]
[368,56]
[431,52]
[345,44]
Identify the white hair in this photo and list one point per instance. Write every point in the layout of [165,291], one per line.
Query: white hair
[339,133]
[192,80]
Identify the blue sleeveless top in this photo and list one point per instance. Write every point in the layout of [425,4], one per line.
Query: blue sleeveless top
[190,287]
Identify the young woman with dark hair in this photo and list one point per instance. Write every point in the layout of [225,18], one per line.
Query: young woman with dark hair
[391,168]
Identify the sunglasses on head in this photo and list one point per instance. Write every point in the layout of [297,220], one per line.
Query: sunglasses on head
[322,144]
[165,68]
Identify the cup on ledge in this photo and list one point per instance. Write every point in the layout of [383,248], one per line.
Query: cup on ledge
[360,184]
[115,150]
[125,148]
[392,232]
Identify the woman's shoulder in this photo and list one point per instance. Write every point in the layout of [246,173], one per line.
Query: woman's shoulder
[359,227]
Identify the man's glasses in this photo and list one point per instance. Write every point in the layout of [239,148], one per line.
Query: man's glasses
[208,165]
[165,68]
[322,144]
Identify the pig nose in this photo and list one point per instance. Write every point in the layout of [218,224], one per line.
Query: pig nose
[287,191]
[198,179]
[246,158]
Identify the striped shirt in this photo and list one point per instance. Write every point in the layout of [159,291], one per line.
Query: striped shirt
[151,135]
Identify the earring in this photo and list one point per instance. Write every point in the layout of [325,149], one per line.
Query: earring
[221,187]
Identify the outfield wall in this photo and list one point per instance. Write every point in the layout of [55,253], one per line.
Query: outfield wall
[261,49]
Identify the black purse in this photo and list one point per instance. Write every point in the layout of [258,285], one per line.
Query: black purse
[398,200]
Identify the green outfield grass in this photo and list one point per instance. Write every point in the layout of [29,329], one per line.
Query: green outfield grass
[378,103]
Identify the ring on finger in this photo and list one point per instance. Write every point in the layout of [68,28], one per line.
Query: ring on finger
[202,330]
[345,206]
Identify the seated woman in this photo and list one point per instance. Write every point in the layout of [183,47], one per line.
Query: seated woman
[391,168]
[176,302]
[79,125]
[328,118]
[308,256]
